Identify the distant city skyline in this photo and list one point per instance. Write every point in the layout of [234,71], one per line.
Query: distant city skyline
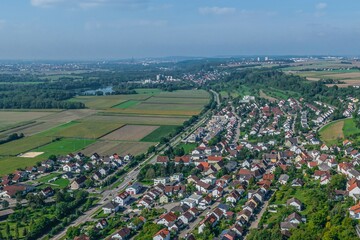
[119,29]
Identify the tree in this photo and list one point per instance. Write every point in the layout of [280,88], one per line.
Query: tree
[7,231]
[179,152]
[150,174]
[5,204]
[72,232]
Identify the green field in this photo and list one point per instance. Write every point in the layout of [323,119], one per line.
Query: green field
[10,164]
[88,129]
[162,131]
[63,147]
[127,104]
[23,145]
[78,129]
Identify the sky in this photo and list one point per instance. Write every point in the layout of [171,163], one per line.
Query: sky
[117,29]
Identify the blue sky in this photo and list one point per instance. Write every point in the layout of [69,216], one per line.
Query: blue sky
[113,29]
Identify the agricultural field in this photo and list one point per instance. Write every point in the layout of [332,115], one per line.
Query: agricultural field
[127,104]
[10,164]
[130,133]
[160,132]
[99,102]
[63,147]
[332,132]
[137,119]
[339,130]
[147,116]
[104,148]
[350,77]
[167,100]
[23,145]
[88,129]
[19,118]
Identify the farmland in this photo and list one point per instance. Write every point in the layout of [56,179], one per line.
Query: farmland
[111,124]
[130,133]
[332,132]
[86,129]
[63,147]
[104,148]
[338,130]
[19,118]
[127,104]
[160,132]
[100,102]
[137,119]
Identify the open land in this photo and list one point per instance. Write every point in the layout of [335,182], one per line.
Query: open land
[130,133]
[103,127]
[104,148]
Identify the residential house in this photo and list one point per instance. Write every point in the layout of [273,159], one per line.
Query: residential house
[294,202]
[122,199]
[163,234]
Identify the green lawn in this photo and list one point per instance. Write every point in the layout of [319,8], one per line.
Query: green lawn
[48,177]
[162,131]
[188,147]
[127,104]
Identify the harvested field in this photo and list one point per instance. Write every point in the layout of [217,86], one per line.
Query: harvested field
[167,106]
[151,111]
[99,102]
[185,94]
[165,100]
[138,119]
[31,154]
[69,115]
[332,132]
[344,75]
[130,133]
[104,148]
[13,117]
[312,79]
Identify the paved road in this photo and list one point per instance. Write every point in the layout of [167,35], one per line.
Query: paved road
[255,224]
[217,97]
[237,135]
[107,195]
[199,218]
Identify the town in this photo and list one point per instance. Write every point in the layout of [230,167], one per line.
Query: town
[218,182]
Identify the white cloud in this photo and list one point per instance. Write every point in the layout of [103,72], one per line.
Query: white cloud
[217,10]
[321,6]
